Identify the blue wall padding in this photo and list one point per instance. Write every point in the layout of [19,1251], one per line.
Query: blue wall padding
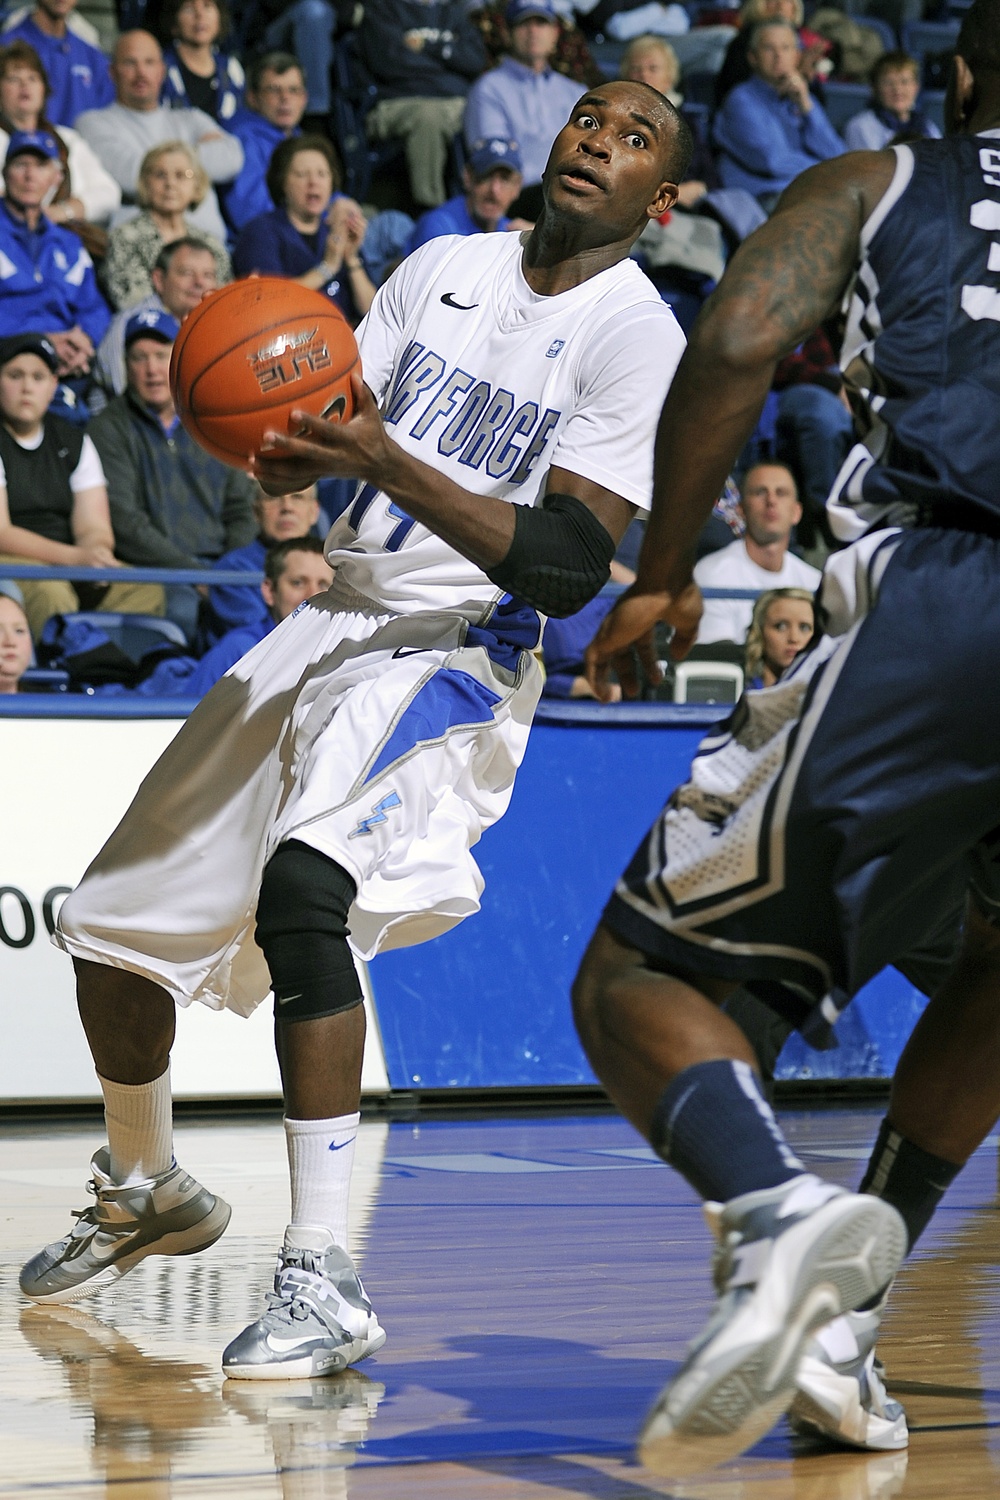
[487,1005]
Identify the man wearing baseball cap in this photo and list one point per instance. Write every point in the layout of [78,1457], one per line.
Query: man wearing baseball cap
[492,179]
[53,495]
[47,281]
[523,98]
[172,504]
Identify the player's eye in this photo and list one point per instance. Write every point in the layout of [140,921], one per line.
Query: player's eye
[586,120]
[637,140]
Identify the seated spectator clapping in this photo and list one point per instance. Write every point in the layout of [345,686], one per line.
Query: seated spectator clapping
[760,559]
[172,182]
[77,71]
[185,271]
[199,74]
[492,180]
[280,518]
[783,624]
[15,644]
[47,281]
[893,113]
[122,133]
[53,496]
[86,192]
[770,128]
[314,235]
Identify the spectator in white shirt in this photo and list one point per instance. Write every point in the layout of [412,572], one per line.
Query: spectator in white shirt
[760,559]
[122,133]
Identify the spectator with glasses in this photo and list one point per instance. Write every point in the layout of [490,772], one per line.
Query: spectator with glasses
[275,103]
[172,182]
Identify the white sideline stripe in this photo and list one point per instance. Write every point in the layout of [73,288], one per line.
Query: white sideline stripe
[486,1161]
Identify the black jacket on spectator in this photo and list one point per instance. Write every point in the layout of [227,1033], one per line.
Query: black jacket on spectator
[451,57]
[38,479]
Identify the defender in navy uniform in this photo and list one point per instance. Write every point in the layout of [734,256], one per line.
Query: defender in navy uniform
[840,814]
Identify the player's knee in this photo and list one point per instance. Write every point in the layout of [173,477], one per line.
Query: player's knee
[302,930]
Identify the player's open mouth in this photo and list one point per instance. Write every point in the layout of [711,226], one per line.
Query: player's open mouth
[581,177]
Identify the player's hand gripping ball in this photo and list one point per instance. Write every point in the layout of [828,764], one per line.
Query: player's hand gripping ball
[250,353]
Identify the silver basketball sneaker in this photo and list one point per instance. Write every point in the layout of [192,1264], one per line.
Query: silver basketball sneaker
[839,1392]
[789,1260]
[169,1215]
[317,1321]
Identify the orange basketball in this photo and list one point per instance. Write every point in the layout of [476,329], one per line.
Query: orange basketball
[250,353]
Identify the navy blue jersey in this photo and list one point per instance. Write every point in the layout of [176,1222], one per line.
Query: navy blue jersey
[921,349]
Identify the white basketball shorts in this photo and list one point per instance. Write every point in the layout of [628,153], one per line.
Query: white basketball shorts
[387,742]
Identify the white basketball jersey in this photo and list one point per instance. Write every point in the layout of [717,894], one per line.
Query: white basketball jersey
[492,385]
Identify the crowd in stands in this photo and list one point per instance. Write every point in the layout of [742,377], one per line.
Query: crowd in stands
[210,143]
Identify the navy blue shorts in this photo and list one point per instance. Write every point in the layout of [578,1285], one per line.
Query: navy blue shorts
[837,821]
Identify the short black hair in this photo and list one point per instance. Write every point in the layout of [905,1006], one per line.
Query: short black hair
[276,560]
[281,160]
[186,242]
[271,62]
[168,19]
[979,39]
[682,148]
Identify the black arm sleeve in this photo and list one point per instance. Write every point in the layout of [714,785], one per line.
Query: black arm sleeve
[559,559]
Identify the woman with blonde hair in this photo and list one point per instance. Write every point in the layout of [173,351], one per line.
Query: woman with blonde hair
[783,624]
[171,182]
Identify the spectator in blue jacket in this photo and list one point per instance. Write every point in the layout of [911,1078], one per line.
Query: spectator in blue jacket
[47,282]
[770,128]
[893,111]
[491,178]
[281,518]
[275,104]
[199,74]
[78,73]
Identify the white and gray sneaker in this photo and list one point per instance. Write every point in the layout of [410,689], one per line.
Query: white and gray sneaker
[839,1391]
[317,1321]
[790,1259]
[169,1215]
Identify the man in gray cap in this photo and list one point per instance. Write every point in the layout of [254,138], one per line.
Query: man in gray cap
[492,180]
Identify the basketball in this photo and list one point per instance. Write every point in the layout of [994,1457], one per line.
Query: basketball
[253,351]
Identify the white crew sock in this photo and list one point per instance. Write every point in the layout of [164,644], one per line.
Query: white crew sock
[140,1128]
[320,1159]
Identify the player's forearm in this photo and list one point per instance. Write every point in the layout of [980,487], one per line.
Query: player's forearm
[479,526]
[707,418]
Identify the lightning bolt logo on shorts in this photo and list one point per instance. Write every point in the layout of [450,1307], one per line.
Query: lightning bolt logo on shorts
[377,815]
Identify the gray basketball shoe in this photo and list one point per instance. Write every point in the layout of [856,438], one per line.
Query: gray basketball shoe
[317,1321]
[790,1259]
[839,1392]
[169,1215]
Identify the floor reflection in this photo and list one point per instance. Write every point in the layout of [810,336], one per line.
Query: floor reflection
[538,1284]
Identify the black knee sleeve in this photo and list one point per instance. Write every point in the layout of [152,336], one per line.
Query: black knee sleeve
[302,931]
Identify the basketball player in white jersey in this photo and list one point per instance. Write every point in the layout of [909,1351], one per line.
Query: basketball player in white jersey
[322,801]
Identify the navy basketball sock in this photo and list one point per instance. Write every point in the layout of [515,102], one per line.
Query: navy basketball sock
[714,1126]
[912,1180]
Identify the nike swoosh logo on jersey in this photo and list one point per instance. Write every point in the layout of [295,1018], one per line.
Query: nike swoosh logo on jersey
[287,999]
[449,301]
[409,651]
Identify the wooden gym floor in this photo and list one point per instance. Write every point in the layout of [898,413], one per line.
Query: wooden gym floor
[538,1279]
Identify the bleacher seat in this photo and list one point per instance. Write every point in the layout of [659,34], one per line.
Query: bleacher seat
[928,38]
[885,29]
[842,101]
